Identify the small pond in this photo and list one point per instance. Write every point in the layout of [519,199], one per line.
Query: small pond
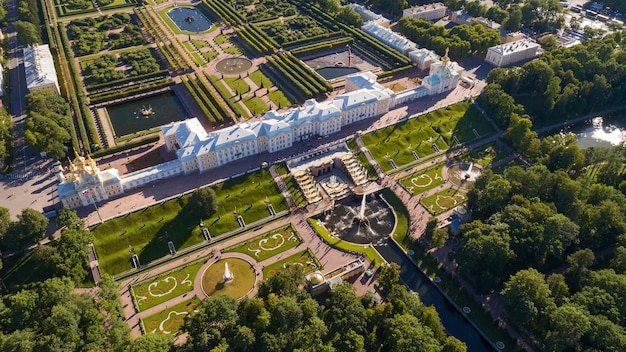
[189,19]
[146,113]
[330,73]
[233,65]
[600,131]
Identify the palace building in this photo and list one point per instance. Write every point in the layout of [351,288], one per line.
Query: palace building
[199,151]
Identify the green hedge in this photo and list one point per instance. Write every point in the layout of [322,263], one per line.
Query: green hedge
[311,39]
[325,45]
[133,90]
[305,91]
[297,95]
[120,148]
[101,86]
[225,93]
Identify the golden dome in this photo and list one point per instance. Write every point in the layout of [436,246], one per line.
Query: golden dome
[316,278]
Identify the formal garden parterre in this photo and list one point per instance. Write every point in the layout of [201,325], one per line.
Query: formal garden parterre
[269,244]
[146,232]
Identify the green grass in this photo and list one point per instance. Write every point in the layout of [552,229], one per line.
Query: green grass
[232,49]
[424,180]
[210,55]
[269,244]
[118,3]
[305,258]
[281,168]
[220,39]
[296,193]
[443,201]
[166,286]
[437,127]
[485,155]
[199,44]
[372,255]
[146,230]
[401,232]
[174,315]
[256,105]
[238,85]
[279,99]
[260,79]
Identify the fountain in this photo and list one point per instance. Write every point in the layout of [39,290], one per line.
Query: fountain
[146,112]
[233,65]
[189,19]
[463,174]
[336,187]
[361,218]
[364,222]
[228,275]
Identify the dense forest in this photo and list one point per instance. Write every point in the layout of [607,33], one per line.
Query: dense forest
[551,238]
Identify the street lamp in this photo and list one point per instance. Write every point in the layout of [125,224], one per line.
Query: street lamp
[86,192]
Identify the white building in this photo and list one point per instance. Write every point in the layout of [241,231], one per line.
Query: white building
[368,15]
[444,75]
[389,37]
[199,151]
[39,69]
[462,17]
[510,53]
[427,12]
[423,58]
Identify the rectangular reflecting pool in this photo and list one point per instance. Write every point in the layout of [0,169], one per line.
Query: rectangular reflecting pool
[145,113]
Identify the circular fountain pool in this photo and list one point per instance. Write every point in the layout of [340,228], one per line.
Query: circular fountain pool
[463,174]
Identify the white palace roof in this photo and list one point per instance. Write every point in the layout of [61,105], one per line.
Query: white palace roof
[39,67]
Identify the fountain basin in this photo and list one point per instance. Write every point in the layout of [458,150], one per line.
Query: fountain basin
[377,225]
[233,65]
[243,278]
[463,174]
[189,19]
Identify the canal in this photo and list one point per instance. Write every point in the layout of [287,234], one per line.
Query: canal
[455,323]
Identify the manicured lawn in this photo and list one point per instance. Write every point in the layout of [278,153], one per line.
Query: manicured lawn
[210,55]
[424,180]
[238,85]
[372,255]
[444,200]
[484,156]
[305,258]
[256,105]
[149,230]
[117,3]
[232,49]
[420,133]
[199,43]
[269,244]
[220,39]
[260,79]
[401,232]
[170,320]
[279,99]
[281,168]
[296,193]
[164,287]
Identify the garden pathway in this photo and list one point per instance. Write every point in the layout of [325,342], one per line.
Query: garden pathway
[283,188]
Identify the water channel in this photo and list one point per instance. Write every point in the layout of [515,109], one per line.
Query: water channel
[600,131]
[453,321]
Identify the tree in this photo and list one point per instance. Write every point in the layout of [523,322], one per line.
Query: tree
[6,133]
[27,33]
[344,311]
[405,333]
[150,342]
[521,136]
[217,316]
[549,42]
[514,22]
[5,220]
[44,133]
[203,202]
[284,283]
[558,287]
[618,263]
[497,14]
[527,295]
[69,219]
[32,225]
[72,249]
[569,324]
[579,263]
